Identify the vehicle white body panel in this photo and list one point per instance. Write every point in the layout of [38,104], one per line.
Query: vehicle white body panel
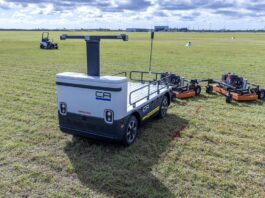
[95,100]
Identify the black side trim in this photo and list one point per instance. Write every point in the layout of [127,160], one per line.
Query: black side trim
[94,127]
[84,133]
[89,87]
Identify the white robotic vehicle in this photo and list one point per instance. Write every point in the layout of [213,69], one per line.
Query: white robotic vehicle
[108,107]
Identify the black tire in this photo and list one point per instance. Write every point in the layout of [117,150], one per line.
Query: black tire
[131,131]
[228,99]
[209,89]
[261,94]
[163,107]
[41,46]
[197,90]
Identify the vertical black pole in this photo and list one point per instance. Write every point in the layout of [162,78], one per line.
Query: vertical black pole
[151,52]
[93,57]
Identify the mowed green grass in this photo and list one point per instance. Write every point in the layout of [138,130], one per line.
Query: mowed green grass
[220,151]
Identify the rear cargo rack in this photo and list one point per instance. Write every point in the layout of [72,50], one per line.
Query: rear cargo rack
[144,88]
[151,88]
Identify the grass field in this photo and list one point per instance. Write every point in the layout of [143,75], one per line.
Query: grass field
[220,151]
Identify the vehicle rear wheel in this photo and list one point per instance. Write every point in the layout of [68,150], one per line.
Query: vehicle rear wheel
[163,107]
[197,90]
[261,94]
[131,131]
[209,89]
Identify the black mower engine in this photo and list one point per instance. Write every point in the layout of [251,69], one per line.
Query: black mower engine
[170,78]
[234,80]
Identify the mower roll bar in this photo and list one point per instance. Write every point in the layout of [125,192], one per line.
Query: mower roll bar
[45,33]
[93,50]
[45,36]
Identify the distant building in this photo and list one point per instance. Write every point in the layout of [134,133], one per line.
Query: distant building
[137,30]
[161,28]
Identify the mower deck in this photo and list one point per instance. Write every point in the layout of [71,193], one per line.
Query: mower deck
[184,94]
[235,96]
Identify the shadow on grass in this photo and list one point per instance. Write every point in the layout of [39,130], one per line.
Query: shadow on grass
[234,103]
[115,170]
[205,97]
[247,103]
[201,97]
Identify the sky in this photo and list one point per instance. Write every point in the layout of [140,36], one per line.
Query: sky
[115,14]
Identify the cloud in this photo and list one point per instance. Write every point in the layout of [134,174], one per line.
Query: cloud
[194,4]
[255,6]
[4,5]
[133,5]
[104,5]
[236,9]
[227,8]
[136,12]
[190,17]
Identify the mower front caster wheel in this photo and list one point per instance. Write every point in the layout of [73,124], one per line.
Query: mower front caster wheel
[197,90]
[229,99]
[261,94]
[209,89]
[130,131]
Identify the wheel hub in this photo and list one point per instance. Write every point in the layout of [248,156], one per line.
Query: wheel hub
[131,131]
[164,107]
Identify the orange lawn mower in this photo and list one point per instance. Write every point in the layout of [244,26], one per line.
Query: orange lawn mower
[235,88]
[181,87]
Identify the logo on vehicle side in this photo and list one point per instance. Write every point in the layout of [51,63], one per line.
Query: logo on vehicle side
[151,113]
[146,109]
[105,96]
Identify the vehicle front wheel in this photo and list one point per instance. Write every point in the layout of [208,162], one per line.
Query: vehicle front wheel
[131,131]
[163,107]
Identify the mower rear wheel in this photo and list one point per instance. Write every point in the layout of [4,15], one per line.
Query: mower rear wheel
[197,90]
[229,98]
[163,107]
[261,94]
[130,131]
[209,89]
